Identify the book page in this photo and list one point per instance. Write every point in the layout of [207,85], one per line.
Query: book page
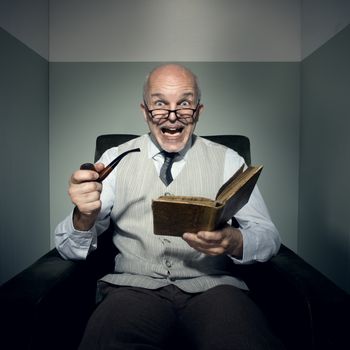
[189,200]
[236,182]
[229,181]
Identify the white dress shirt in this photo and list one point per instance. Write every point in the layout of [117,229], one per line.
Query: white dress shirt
[260,237]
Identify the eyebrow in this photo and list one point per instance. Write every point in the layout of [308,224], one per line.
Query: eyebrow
[185,94]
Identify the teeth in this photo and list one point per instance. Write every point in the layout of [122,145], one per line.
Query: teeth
[171,130]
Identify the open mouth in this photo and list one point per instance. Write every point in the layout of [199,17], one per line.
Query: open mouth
[172,131]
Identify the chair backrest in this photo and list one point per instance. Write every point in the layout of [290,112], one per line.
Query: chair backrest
[239,143]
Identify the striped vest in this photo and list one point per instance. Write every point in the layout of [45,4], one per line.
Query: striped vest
[150,261]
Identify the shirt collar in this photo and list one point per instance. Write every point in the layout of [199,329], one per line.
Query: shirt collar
[154,149]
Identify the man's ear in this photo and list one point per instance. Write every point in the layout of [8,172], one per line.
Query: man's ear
[200,110]
[144,112]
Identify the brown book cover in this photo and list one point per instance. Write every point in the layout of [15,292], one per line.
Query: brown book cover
[175,215]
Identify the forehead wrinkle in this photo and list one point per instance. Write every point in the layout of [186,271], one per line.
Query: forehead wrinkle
[184,94]
[165,98]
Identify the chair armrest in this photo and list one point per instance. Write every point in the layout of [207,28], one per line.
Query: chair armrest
[306,309]
[46,305]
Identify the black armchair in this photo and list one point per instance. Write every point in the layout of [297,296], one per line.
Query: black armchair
[47,305]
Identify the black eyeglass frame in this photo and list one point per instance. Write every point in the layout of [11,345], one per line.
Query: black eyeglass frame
[182,119]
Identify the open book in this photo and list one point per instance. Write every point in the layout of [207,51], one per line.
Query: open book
[175,215]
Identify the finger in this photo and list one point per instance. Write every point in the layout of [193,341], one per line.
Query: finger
[84,194]
[84,187]
[88,197]
[209,247]
[195,241]
[91,186]
[86,201]
[210,237]
[203,248]
[99,167]
[83,176]
[205,238]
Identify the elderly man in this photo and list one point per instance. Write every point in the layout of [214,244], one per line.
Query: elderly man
[161,284]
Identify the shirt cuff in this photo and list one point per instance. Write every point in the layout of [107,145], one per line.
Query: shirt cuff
[78,244]
[250,246]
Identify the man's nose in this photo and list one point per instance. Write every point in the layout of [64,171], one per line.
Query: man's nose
[172,116]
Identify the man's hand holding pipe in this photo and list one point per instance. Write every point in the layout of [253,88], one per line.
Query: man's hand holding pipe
[85,192]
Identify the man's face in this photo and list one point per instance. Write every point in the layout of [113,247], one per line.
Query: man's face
[171,88]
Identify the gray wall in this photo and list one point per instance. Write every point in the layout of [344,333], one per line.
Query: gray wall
[260,100]
[320,21]
[324,236]
[175,30]
[28,21]
[24,206]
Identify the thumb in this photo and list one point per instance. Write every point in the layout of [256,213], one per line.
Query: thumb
[99,167]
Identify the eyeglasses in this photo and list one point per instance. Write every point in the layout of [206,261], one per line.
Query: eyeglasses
[184,115]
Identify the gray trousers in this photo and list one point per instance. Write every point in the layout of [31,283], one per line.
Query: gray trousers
[223,317]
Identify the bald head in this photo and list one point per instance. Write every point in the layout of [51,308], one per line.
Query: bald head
[170,72]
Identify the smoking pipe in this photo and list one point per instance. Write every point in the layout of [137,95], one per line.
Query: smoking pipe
[108,169]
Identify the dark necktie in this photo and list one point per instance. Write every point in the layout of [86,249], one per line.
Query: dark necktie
[165,171]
